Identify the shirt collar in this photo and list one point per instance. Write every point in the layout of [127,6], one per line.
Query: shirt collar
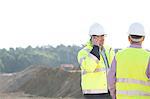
[102,48]
[135,46]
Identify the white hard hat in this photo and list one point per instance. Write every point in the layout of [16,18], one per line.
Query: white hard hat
[96,29]
[136,29]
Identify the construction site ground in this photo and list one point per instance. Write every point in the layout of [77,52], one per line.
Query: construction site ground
[39,82]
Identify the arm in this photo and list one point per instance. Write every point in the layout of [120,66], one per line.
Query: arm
[112,79]
[148,69]
[87,60]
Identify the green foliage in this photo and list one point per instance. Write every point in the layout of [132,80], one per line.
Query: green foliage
[17,59]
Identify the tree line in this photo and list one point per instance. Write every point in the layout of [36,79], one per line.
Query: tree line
[17,59]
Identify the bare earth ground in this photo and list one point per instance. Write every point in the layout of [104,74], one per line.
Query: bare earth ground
[19,95]
[41,83]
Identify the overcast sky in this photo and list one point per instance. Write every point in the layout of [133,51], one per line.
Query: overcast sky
[54,22]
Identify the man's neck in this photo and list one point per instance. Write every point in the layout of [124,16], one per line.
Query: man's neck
[136,45]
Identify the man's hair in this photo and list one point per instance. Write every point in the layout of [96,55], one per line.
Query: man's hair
[136,36]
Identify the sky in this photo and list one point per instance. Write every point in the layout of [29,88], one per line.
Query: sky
[55,22]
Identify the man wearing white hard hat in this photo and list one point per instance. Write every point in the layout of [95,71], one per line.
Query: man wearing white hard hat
[129,76]
[94,60]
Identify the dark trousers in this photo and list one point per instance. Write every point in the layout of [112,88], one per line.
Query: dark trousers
[97,96]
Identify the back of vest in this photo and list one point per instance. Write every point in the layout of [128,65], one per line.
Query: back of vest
[131,73]
[132,63]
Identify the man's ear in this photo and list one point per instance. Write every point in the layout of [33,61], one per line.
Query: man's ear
[143,38]
[129,39]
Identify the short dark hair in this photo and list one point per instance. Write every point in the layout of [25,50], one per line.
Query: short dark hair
[136,36]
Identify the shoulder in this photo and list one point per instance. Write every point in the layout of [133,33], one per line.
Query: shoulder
[85,49]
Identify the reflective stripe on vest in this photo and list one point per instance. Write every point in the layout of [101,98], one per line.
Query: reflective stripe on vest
[133,81]
[133,92]
[96,70]
[91,56]
[81,60]
[94,91]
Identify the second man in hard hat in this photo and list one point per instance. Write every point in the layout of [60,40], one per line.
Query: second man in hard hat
[129,76]
[95,59]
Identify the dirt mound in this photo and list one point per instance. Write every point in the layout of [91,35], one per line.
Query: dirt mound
[43,81]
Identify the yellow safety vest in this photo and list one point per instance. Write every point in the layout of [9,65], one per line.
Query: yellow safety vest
[93,71]
[132,82]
